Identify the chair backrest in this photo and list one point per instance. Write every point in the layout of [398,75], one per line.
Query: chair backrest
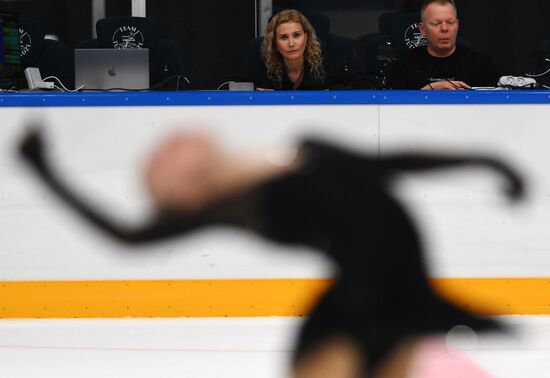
[541,55]
[403,30]
[339,60]
[167,63]
[31,40]
[127,33]
[320,22]
[397,32]
[51,57]
[370,49]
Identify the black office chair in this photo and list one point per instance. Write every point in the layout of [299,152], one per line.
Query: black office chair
[51,57]
[165,56]
[338,51]
[541,55]
[402,29]
[397,32]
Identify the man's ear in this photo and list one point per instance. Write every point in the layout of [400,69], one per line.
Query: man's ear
[421,27]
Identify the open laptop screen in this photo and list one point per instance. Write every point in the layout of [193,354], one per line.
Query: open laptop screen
[10,53]
[108,69]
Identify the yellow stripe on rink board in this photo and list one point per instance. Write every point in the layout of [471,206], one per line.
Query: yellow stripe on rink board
[241,297]
[179,298]
[498,296]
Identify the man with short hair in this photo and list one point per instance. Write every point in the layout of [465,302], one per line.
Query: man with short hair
[441,64]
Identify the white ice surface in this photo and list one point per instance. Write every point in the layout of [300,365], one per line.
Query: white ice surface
[216,347]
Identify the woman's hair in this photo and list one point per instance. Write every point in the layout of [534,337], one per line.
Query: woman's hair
[272,57]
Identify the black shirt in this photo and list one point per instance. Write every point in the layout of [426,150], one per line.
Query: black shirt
[258,75]
[416,68]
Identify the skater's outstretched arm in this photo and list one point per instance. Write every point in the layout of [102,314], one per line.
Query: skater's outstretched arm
[416,162]
[165,225]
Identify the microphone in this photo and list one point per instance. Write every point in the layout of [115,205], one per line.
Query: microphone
[346,72]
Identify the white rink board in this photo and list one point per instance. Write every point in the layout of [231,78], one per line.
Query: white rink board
[469,230]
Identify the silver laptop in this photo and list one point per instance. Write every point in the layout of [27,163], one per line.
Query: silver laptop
[115,69]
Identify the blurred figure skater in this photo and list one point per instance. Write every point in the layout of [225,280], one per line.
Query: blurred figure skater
[374,319]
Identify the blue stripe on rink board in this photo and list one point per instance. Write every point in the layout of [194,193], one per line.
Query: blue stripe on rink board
[225,98]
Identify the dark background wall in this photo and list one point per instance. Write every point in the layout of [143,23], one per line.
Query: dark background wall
[214,34]
[506,30]
[115,8]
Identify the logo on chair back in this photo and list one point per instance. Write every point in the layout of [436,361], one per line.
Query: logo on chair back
[128,37]
[413,38]
[25,42]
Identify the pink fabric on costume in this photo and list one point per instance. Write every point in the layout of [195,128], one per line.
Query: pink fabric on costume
[434,359]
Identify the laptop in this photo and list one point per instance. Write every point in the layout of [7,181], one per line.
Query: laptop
[113,69]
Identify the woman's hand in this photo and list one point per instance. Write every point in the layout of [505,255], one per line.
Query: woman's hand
[446,85]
